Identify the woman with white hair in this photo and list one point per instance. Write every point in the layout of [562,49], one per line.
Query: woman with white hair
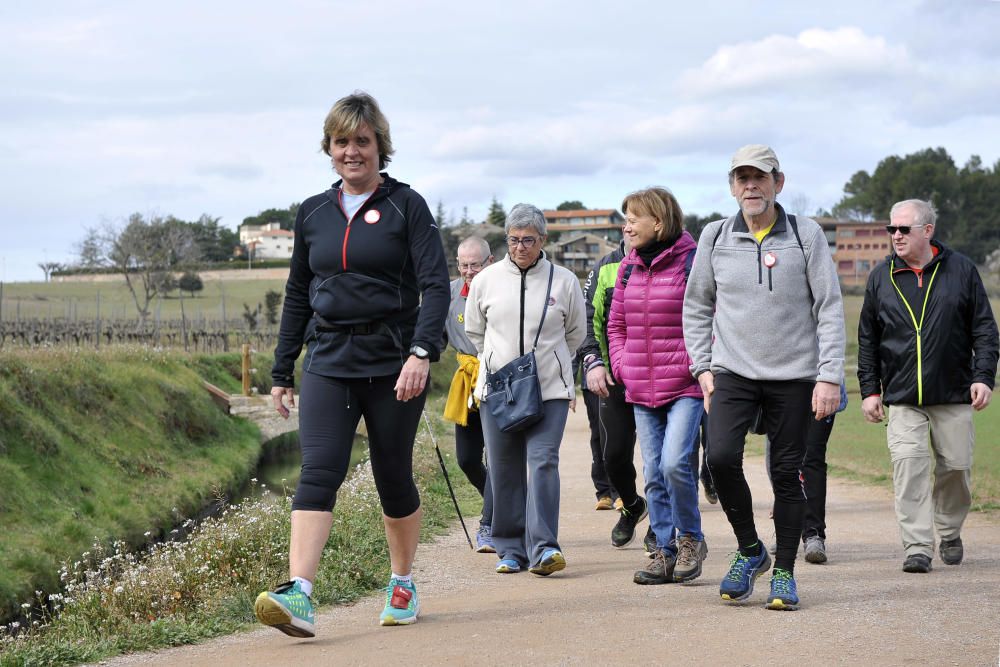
[519,304]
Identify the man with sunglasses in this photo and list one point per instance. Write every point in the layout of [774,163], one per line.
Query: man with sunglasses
[473,256]
[927,348]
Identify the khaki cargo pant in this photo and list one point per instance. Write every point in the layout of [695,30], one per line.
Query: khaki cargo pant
[927,501]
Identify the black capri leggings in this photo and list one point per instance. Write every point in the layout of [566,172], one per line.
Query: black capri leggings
[329,412]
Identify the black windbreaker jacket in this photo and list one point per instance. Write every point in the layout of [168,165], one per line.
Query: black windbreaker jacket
[931,352]
[360,292]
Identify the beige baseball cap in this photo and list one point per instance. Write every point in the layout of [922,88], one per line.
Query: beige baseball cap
[755,155]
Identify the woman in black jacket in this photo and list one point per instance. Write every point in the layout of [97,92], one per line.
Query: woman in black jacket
[367,293]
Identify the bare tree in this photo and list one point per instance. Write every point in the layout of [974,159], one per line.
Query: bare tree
[144,252]
[48,267]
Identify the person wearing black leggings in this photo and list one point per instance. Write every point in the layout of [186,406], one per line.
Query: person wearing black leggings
[617,419]
[367,293]
[764,325]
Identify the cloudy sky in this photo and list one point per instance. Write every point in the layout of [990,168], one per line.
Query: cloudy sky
[185,108]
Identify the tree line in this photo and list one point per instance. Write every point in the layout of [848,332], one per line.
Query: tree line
[967,199]
[149,250]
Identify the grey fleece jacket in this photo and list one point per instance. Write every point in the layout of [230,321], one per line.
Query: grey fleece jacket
[761,323]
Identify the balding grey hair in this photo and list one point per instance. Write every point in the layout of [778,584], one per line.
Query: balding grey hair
[923,211]
[474,242]
[523,216]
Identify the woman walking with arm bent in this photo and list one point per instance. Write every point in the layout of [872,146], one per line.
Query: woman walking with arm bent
[646,348]
[502,318]
[367,294]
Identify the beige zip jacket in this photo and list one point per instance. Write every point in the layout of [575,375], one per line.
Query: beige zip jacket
[494,317]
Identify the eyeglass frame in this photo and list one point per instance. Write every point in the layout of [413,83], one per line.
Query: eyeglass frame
[526,242]
[475,266]
[902,229]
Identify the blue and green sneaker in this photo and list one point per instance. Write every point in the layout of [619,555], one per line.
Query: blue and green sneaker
[288,609]
[401,604]
[784,596]
[743,571]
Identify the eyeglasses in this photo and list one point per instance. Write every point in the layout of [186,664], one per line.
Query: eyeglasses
[527,241]
[902,229]
[475,266]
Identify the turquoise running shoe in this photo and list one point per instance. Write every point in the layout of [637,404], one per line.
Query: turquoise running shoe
[288,609]
[401,604]
[743,571]
[784,596]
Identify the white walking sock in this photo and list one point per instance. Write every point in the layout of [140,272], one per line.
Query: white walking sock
[305,585]
[402,578]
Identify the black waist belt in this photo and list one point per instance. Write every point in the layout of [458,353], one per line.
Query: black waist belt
[364,329]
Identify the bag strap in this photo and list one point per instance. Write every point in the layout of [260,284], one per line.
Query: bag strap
[545,308]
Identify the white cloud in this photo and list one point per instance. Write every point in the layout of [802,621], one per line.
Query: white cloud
[780,63]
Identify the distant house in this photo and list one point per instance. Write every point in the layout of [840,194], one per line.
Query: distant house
[268,241]
[582,236]
[579,252]
[856,247]
[604,222]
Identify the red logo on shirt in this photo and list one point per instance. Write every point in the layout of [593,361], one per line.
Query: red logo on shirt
[770,260]
[372,216]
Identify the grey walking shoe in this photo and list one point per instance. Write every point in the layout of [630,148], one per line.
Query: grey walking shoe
[951,551]
[815,549]
[690,554]
[659,571]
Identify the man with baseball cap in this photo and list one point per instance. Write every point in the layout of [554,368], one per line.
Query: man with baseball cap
[764,326]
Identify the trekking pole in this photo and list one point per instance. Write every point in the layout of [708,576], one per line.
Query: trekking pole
[447,480]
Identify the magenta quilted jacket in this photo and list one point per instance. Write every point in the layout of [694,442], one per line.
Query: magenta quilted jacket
[645,331]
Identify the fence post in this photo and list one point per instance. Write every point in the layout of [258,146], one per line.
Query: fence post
[246,369]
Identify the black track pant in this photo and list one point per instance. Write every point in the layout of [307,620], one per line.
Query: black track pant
[469,449]
[618,442]
[787,411]
[814,474]
[598,473]
[329,412]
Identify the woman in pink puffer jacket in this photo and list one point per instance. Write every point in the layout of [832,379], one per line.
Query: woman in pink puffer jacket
[647,353]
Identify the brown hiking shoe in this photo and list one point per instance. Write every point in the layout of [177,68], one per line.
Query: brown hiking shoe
[690,554]
[659,571]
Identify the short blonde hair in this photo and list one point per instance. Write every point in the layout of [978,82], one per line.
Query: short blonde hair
[658,203]
[348,114]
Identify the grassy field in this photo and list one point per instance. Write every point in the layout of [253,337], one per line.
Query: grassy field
[79,300]
[858,449]
[127,435]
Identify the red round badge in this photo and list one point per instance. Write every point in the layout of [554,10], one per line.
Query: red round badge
[372,216]
[770,260]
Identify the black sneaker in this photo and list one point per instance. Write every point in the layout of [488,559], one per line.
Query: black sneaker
[711,495]
[624,531]
[917,563]
[951,551]
[649,542]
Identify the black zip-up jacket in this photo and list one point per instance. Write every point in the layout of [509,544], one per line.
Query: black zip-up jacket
[360,292]
[929,346]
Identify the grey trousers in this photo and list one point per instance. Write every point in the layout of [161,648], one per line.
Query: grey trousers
[930,499]
[524,473]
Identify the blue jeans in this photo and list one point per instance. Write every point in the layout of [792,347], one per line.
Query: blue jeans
[668,436]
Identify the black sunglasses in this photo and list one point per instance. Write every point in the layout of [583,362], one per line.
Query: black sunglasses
[902,229]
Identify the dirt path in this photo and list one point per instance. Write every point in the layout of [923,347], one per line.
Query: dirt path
[859,608]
